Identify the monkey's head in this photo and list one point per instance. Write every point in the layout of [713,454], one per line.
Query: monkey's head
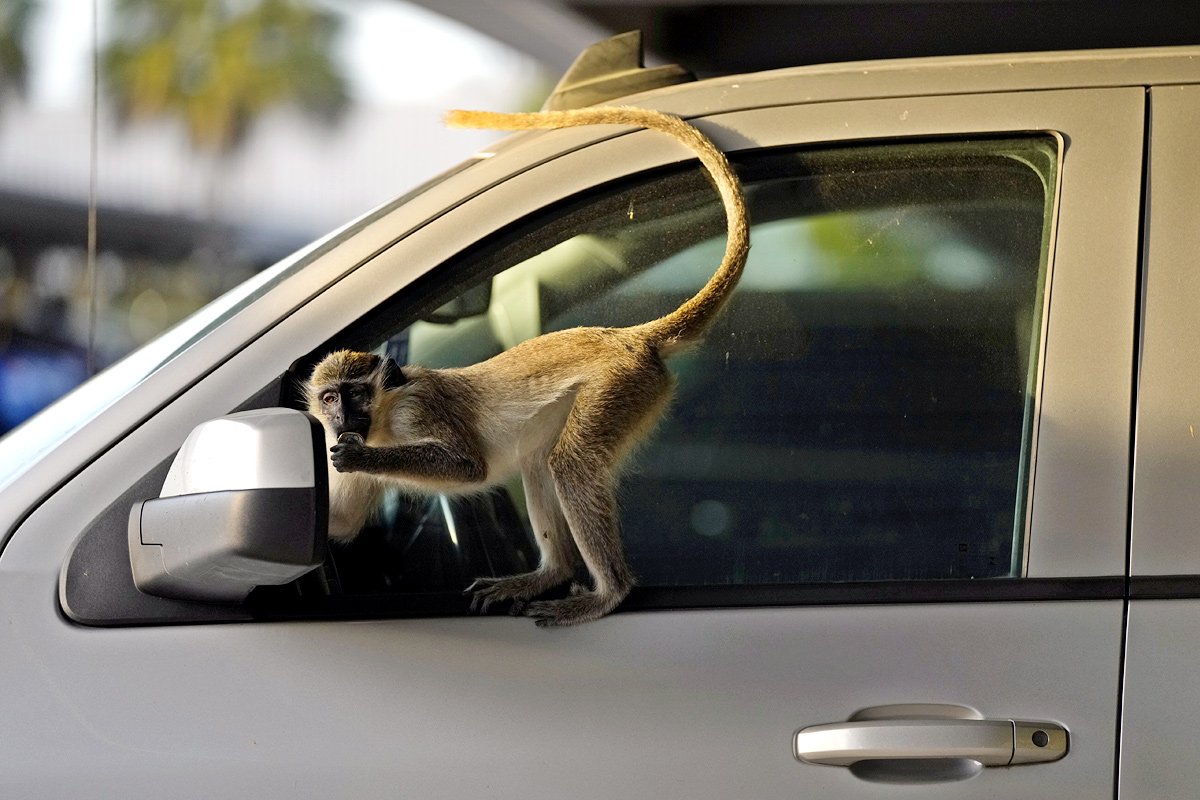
[346,386]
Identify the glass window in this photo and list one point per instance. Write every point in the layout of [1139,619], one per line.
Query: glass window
[863,410]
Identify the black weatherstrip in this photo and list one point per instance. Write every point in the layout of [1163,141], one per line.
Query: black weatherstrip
[1164,587]
[878,592]
[267,606]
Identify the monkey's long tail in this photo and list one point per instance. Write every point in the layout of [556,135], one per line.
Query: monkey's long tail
[688,322]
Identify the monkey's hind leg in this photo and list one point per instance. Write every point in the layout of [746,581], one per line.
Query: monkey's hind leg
[558,555]
[584,487]
[583,464]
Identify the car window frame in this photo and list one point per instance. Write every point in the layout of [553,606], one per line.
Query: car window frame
[1082,392]
[510,246]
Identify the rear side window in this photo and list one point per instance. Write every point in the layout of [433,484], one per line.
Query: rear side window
[863,410]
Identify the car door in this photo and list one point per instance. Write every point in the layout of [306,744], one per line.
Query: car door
[1164,616]
[827,527]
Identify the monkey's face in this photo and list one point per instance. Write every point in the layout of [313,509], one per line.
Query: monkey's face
[347,407]
[345,389]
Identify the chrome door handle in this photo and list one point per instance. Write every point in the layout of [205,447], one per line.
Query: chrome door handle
[928,731]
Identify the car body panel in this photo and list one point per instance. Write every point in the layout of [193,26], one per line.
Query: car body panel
[683,702]
[673,704]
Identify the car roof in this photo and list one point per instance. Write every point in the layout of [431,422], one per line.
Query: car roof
[946,75]
[915,77]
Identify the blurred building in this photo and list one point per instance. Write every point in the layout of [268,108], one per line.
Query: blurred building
[179,220]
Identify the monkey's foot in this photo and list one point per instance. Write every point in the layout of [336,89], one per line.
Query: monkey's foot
[581,605]
[518,588]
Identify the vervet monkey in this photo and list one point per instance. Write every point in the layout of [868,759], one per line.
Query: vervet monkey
[562,409]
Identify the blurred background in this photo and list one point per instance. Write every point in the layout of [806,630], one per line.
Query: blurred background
[229,133]
[211,138]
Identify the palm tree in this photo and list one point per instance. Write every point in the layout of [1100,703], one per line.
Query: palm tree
[14,22]
[218,64]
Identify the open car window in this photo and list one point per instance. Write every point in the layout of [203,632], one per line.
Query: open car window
[863,410]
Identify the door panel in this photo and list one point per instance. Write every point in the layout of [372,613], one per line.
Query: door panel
[670,704]
[1161,700]
[1161,703]
[688,703]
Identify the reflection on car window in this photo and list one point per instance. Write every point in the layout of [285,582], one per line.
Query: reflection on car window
[863,410]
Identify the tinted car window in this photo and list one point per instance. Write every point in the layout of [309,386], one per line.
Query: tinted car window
[863,410]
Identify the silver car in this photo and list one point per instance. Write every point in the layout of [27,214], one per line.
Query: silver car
[921,513]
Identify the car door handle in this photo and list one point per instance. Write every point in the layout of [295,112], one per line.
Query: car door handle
[926,731]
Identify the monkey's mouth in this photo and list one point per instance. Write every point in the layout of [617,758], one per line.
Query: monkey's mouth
[352,425]
[361,430]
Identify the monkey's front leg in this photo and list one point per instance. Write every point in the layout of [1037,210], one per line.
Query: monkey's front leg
[441,462]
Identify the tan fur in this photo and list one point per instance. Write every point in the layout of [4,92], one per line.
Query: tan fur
[563,410]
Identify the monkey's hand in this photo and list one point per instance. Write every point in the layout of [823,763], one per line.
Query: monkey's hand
[349,454]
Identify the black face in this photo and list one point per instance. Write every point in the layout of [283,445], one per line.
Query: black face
[348,407]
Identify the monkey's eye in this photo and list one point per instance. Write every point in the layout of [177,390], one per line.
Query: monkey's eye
[329,397]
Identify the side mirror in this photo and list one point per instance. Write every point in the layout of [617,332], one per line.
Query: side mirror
[245,503]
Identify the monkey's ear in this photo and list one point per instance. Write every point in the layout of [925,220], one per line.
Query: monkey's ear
[393,376]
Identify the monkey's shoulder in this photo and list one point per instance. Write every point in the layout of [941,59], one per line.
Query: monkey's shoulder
[431,395]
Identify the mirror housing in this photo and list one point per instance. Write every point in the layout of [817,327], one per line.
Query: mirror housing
[245,503]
